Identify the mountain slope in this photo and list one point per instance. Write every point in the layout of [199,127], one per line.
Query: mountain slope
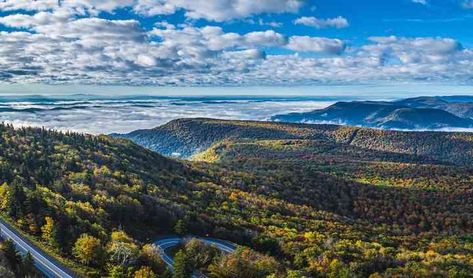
[461,106]
[336,200]
[408,114]
[191,136]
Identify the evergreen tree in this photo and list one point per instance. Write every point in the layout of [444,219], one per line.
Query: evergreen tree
[12,255]
[181,227]
[28,267]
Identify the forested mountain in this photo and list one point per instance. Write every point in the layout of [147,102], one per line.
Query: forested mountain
[187,137]
[461,106]
[410,114]
[312,201]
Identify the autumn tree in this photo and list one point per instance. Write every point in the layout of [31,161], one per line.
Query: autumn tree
[48,231]
[122,249]
[150,257]
[181,265]
[88,250]
[144,272]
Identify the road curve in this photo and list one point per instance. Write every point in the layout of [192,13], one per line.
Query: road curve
[47,265]
[167,242]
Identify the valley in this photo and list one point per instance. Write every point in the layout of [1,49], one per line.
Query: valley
[298,200]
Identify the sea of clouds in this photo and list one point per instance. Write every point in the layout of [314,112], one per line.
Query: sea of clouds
[104,115]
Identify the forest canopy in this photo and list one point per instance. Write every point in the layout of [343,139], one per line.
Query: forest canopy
[297,208]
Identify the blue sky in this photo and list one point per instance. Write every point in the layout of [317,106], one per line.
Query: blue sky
[162,43]
[378,18]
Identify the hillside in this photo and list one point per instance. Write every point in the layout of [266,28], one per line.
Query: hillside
[337,201]
[409,114]
[96,202]
[461,106]
[187,137]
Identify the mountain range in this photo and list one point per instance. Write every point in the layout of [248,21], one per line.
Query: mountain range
[187,137]
[300,200]
[421,113]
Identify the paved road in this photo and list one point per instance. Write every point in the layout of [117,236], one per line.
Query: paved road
[47,265]
[165,243]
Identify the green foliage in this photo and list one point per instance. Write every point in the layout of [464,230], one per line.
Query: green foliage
[144,272]
[244,263]
[181,227]
[117,271]
[200,255]
[11,254]
[182,268]
[12,264]
[28,269]
[312,200]
[122,249]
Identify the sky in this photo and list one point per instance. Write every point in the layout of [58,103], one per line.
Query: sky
[235,43]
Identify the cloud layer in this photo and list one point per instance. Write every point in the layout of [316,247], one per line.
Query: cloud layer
[126,114]
[75,43]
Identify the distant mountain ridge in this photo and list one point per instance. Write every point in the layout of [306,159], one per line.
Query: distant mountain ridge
[187,137]
[421,113]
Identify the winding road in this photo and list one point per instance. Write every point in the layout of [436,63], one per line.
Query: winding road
[51,268]
[167,242]
[47,265]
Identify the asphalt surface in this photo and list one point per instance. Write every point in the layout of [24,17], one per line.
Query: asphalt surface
[47,265]
[168,242]
[53,269]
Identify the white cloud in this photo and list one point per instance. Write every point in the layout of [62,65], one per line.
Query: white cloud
[337,22]
[266,38]
[217,10]
[422,2]
[126,114]
[273,24]
[222,10]
[214,38]
[71,44]
[315,44]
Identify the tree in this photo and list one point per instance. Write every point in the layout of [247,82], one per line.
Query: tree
[88,250]
[150,257]
[13,198]
[117,271]
[6,273]
[200,254]
[122,249]
[144,272]
[181,227]
[181,266]
[28,268]
[49,231]
[244,262]
[12,255]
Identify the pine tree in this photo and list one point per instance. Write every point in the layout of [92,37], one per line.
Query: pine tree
[12,255]
[28,268]
[181,227]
